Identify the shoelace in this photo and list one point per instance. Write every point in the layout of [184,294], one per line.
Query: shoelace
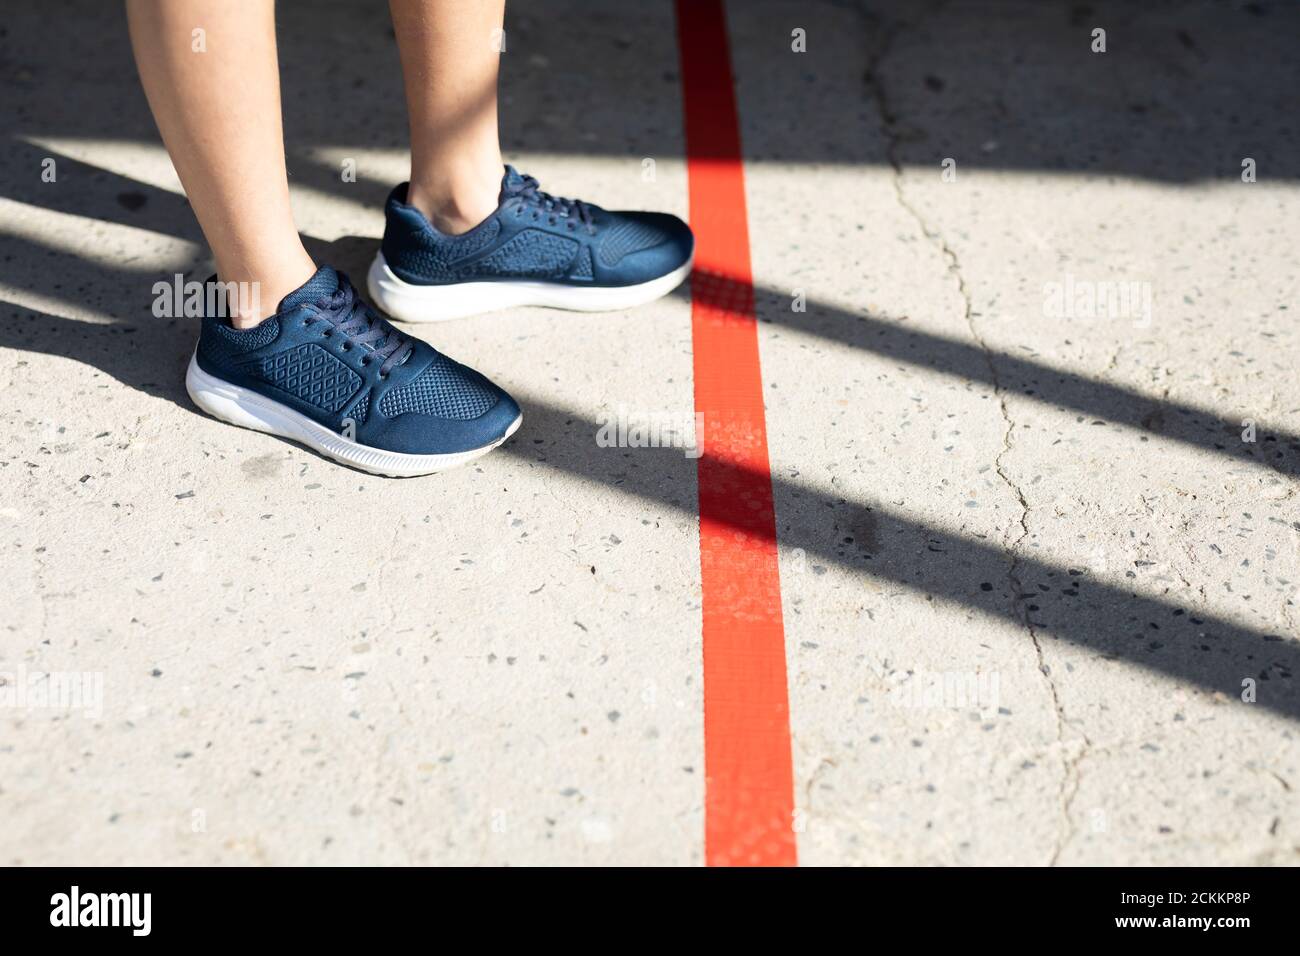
[529,191]
[351,317]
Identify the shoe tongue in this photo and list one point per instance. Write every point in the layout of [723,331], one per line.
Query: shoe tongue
[320,286]
[511,183]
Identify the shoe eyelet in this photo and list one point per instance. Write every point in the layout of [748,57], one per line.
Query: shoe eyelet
[347,346]
[571,226]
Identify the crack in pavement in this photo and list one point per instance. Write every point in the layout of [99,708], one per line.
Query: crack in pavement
[1069,784]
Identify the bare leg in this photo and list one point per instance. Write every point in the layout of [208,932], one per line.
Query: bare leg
[219,115]
[450,54]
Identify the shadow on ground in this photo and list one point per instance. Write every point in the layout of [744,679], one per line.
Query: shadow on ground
[1183,92]
[1182,111]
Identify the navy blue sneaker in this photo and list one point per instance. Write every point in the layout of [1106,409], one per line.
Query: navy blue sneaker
[536,249]
[328,372]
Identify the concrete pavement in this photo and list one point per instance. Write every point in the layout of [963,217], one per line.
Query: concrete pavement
[1039,594]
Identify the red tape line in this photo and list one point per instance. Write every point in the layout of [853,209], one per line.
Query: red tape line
[749,781]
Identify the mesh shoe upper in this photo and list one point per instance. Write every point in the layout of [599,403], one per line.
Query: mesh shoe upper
[441,390]
[327,356]
[533,235]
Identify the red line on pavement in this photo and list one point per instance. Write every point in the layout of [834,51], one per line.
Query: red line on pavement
[749,783]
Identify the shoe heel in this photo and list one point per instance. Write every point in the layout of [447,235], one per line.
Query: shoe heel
[409,302]
[221,401]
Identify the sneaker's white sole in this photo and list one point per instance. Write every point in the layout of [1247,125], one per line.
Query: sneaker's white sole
[249,409]
[437,303]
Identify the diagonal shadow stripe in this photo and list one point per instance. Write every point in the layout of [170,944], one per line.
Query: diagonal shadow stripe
[1069,604]
[1108,402]
[83,189]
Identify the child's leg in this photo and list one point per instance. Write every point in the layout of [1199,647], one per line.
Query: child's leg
[209,70]
[465,235]
[450,52]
